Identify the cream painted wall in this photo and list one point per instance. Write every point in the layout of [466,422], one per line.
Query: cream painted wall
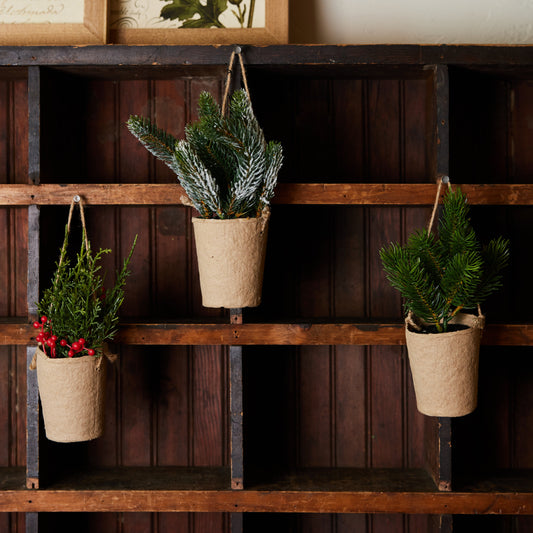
[411,21]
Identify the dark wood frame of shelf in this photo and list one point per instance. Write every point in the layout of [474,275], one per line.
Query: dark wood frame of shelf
[375,60]
[313,490]
[363,194]
[502,57]
[294,333]
[279,501]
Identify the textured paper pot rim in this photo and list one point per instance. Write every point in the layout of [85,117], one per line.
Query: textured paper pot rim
[72,395]
[231,259]
[445,367]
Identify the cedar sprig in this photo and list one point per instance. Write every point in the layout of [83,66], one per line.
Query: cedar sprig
[225,165]
[77,306]
[438,276]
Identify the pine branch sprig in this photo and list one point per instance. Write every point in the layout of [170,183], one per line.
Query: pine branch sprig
[155,140]
[461,279]
[197,180]
[495,257]
[274,160]
[424,246]
[414,283]
[76,306]
[224,164]
[439,276]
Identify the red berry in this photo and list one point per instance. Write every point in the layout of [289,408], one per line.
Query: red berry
[90,352]
[50,343]
[70,353]
[82,341]
[36,324]
[76,346]
[54,338]
[63,342]
[44,319]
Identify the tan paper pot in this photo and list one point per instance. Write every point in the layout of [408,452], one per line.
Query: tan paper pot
[445,367]
[231,259]
[72,395]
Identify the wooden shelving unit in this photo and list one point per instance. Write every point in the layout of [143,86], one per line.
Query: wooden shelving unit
[322,346]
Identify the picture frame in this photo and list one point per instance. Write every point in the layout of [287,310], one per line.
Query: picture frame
[87,23]
[274,31]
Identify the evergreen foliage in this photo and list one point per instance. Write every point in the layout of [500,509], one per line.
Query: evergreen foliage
[224,164]
[440,276]
[77,306]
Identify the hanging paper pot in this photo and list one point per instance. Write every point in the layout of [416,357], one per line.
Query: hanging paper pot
[445,367]
[72,392]
[231,259]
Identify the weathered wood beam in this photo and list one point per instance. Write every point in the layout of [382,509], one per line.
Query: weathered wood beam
[117,194]
[286,334]
[283,501]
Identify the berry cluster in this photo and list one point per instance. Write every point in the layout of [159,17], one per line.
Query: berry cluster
[48,340]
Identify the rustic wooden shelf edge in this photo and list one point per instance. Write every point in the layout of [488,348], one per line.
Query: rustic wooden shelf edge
[403,194]
[281,334]
[314,490]
[294,54]
[266,501]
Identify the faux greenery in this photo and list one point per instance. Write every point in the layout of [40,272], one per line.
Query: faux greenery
[224,164]
[78,314]
[440,276]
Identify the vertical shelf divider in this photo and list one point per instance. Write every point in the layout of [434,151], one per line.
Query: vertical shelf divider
[32,406]
[236,409]
[236,421]
[439,430]
[32,389]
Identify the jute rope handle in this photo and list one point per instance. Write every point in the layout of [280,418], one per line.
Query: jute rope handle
[235,52]
[75,200]
[266,210]
[444,179]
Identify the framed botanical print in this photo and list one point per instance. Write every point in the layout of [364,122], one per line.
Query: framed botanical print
[61,22]
[199,21]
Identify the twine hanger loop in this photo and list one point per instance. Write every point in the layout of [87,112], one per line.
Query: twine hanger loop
[236,51]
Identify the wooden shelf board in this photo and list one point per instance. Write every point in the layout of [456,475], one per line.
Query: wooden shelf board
[276,334]
[295,334]
[401,194]
[119,56]
[341,479]
[397,194]
[142,478]
[511,480]
[307,491]
[265,501]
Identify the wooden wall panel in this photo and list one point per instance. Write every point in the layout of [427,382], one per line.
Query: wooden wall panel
[348,116]
[166,405]
[314,362]
[493,145]
[385,386]
[521,112]
[346,415]
[521,422]
[415,165]
[13,279]
[13,221]
[501,426]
